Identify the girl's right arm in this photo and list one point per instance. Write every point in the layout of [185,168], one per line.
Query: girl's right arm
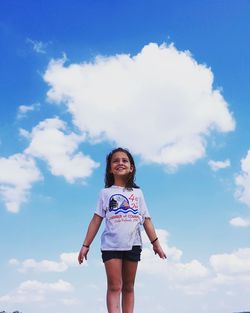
[93,228]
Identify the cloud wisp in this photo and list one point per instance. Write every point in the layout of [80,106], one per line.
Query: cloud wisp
[24,109]
[218,165]
[242,181]
[38,46]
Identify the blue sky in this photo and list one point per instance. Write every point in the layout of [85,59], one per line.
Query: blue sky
[166,79]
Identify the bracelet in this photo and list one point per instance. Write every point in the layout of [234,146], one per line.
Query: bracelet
[85,246]
[153,241]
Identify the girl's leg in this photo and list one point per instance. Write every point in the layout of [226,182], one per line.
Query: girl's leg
[114,281]
[128,278]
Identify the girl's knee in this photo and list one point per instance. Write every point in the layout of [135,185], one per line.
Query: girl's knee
[128,287]
[114,287]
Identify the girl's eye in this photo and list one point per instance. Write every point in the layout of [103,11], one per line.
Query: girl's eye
[117,160]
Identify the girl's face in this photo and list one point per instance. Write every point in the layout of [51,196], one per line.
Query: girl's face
[120,165]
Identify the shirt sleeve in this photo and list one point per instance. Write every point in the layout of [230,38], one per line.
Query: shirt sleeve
[100,208]
[144,208]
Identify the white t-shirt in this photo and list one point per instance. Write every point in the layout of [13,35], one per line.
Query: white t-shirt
[124,211]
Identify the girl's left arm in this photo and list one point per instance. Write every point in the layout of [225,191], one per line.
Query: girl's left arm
[150,231]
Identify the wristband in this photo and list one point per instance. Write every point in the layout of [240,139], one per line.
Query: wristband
[85,246]
[153,241]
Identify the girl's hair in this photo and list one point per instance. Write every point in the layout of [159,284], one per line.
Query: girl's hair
[109,177]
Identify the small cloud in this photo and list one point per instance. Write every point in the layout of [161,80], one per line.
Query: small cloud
[38,46]
[218,165]
[24,109]
[240,222]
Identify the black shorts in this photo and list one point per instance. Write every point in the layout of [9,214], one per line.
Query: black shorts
[130,255]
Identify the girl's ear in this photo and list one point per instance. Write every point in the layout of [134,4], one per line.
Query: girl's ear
[131,168]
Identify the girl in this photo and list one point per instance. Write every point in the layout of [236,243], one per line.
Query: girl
[122,203]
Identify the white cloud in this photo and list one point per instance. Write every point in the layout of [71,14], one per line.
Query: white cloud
[193,277]
[187,283]
[36,291]
[242,181]
[161,94]
[66,260]
[179,275]
[217,165]
[24,109]
[17,174]
[232,263]
[240,222]
[50,142]
[38,46]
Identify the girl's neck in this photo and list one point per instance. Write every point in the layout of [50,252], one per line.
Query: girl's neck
[120,182]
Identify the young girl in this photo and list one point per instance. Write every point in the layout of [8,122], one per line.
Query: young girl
[122,204]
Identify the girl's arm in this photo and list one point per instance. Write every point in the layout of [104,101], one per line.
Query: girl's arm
[150,231]
[93,228]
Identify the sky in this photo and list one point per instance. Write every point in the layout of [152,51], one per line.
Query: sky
[169,80]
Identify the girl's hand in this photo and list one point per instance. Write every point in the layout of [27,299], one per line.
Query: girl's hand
[158,250]
[83,254]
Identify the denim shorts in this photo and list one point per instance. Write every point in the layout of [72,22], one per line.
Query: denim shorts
[133,255]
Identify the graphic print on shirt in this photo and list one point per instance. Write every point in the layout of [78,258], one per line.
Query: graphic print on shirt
[118,203]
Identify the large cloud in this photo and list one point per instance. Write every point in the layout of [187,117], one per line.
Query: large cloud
[50,141]
[159,103]
[17,174]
